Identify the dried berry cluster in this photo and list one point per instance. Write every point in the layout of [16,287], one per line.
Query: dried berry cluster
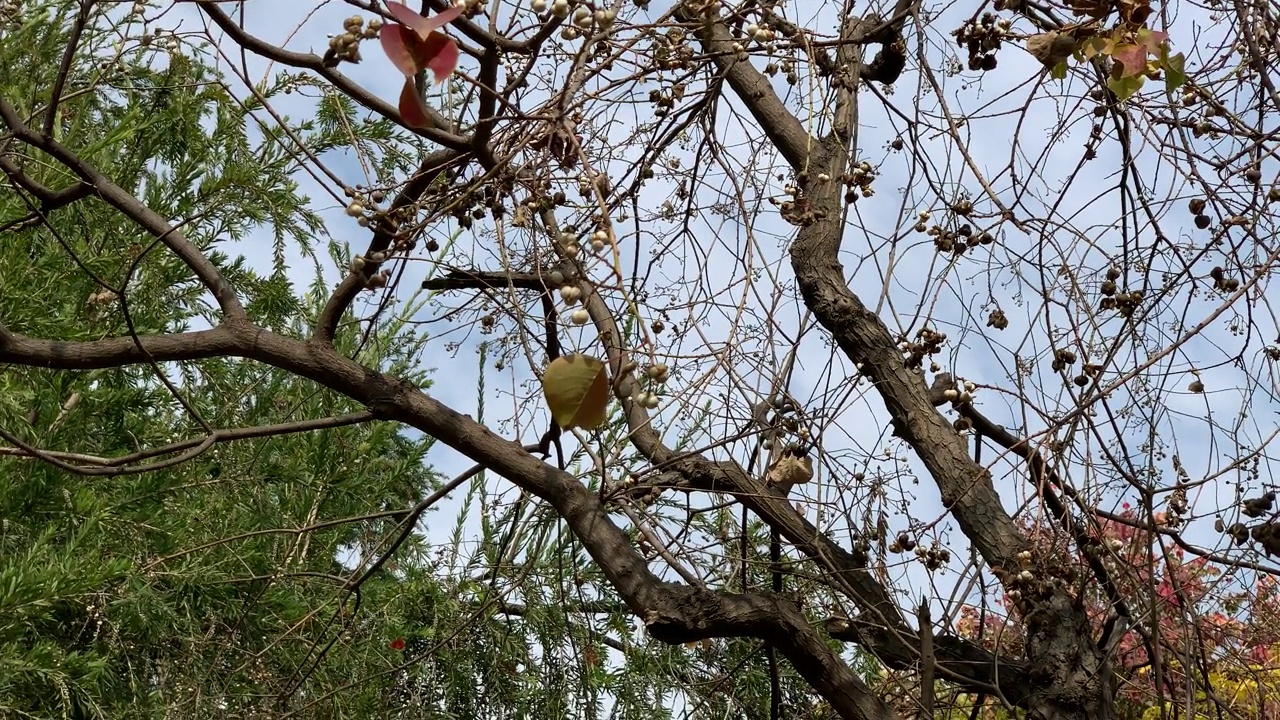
[1062,359]
[1037,577]
[1222,282]
[953,240]
[858,182]
[671,50]
[932,557]
[1266,534]
[928,342]
[1197,206]
[345,46]
[958,240]
[787,66]
[798,210]
[1123,302]
[982,39]
[664,100]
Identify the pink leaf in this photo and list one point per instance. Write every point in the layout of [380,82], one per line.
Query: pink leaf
[410,51]
[412,111]
[443,53]
[396,40]
[424,26]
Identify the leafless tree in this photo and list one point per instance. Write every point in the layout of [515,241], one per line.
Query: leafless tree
[884,245]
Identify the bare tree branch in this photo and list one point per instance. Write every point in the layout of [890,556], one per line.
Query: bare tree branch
[91,465]
[673,613]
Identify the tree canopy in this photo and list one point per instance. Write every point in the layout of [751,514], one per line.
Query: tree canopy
[669,358]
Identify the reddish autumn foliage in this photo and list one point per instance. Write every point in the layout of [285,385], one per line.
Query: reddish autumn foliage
[1217,627]
[413,44]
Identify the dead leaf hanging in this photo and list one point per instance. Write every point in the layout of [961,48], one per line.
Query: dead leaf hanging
[790,470]
[577,391]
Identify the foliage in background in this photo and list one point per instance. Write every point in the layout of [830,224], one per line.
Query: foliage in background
[773,223]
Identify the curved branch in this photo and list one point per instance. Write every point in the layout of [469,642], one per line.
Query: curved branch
[673,613]
[50,200]
[123,465]
[384,234]
[204,444]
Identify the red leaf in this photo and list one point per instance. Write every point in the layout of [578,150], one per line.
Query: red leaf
[1132,58]
[442,55]
[412,111]
[396,41]
[410,52]
[424,26]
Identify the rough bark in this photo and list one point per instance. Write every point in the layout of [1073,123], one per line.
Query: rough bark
[1069,675]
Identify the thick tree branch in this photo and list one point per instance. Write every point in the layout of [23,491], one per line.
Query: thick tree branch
[784,130]
[957,659]
[966,487]
[118,351]
[673,613]
[1058,632]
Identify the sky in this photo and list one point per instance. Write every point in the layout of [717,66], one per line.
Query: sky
[737,316]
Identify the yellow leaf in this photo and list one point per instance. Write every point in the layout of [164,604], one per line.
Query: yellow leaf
[791,470]
[577,391]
